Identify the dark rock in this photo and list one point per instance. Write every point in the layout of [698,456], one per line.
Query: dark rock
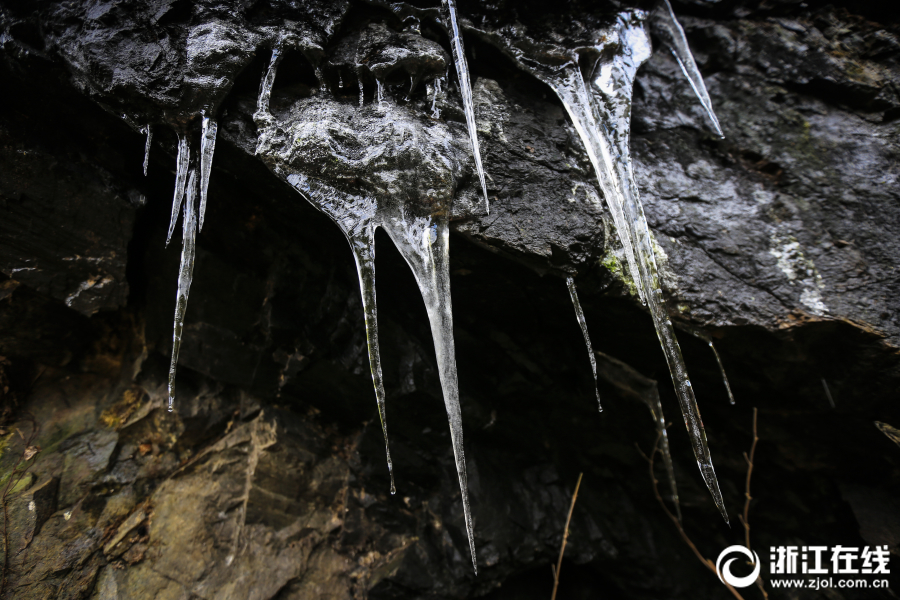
[268,481]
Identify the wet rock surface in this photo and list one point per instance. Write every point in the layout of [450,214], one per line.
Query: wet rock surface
[269,481]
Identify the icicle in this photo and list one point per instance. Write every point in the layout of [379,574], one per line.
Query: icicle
[355,216]
[364,254]
[379,92]
[655,405]
[340,81]
[181,168]
[579,314]
[722,371]
[828,393]
[207,148]
[603,121]
[425,244]
[672,34]
[265,88]
[149,133]
[435,111]
[185,275]
[362,93]
[891,432]
[465,88]
[646,391]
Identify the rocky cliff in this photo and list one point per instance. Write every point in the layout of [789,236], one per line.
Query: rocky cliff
[778,242]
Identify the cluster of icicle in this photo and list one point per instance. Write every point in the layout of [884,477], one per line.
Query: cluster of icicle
[186,193]
[600,109]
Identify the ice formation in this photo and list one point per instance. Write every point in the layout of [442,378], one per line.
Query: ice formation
[651,399]
[722,371]
[207,148]
[602,117]
[465,88]
[185,275]
[579,314]
[600,109]
[414,212]
[181,173]
[147,144]
[671,33]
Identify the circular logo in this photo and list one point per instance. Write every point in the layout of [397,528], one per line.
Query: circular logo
[724,571]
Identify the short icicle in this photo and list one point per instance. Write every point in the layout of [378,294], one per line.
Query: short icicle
[425,244]
[672,34]
[265,87]
[722,371]
[579,314]
[181,172]
[465,87]
[185,275]
[207,148]
[149,131]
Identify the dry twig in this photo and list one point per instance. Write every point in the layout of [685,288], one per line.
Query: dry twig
[745,518]
[706,562]
[565,538]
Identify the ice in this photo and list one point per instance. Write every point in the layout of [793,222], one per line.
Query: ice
[465,87]
[651,399]
[207,148]
[355,216]
[633,385]
[435,111]
[423,239]
[425,244]
[671,33]
[579,314]
[265,87]
[181,171]
[722,371]
[149,141]
[890,431]
[379,93]
[185,274]
[828,393]
[602,118]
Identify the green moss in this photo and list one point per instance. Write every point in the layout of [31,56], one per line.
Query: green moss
[612,264]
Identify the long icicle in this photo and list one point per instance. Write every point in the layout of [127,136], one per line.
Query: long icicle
[363,246]
[425,245]
[579,314]
[615,135]
[185,275]
[207,148]
[355,216]
[672,34]
[617,180]
[465,87]
[181,170]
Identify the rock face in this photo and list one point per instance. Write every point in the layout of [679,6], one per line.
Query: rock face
[779,242]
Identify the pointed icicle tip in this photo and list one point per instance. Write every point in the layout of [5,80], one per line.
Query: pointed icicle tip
[579,315]
[465,88]
[672,33]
